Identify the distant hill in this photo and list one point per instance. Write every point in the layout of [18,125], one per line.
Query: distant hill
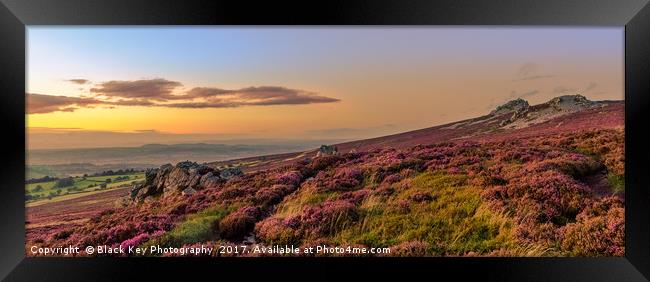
[161,153]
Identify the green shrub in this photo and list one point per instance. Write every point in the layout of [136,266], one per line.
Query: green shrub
[617,182]
[64,182]
[453,222]
[199,227]
[439,180]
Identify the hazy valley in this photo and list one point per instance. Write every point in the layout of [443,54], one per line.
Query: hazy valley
[74,162]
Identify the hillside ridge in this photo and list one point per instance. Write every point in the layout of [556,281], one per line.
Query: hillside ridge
[506,119]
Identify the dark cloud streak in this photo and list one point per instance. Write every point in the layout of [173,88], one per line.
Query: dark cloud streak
[534,77]
[261,96]
[155,89]
[39,103]
[515,95]
[160,93]
[563,90]
[530,71]
[527,69]
[79,81]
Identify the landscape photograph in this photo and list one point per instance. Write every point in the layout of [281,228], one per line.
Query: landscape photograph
[325,142]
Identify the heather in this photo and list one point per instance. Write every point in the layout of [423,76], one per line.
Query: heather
[516,197]
[557,194]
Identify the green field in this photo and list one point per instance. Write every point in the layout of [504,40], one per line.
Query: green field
[80,184]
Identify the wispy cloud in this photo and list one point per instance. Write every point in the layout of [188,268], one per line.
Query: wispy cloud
[79,81]
[530,71]
[533,77]
[163,93]
[60,138]
[563,90]
[525,94]
[527,69]
[590,86]
[146,130]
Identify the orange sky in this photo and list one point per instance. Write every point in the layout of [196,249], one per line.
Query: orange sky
[306,83]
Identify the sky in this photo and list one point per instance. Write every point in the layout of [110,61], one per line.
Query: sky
[201,83]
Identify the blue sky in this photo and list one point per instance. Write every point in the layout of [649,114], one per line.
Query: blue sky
[210,55]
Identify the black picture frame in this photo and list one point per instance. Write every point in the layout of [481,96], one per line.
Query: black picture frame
[634,15]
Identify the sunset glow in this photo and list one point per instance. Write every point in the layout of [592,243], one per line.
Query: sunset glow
[306,82]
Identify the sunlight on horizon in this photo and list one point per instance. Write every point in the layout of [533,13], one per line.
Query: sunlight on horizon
[305,83]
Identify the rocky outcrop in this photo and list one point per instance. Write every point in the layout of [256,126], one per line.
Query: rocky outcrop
[230,172]
[184,178]
[188,192]
[523,115]
[514,106]
[210,179]
[516,115]
[571,103]
[326,150]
